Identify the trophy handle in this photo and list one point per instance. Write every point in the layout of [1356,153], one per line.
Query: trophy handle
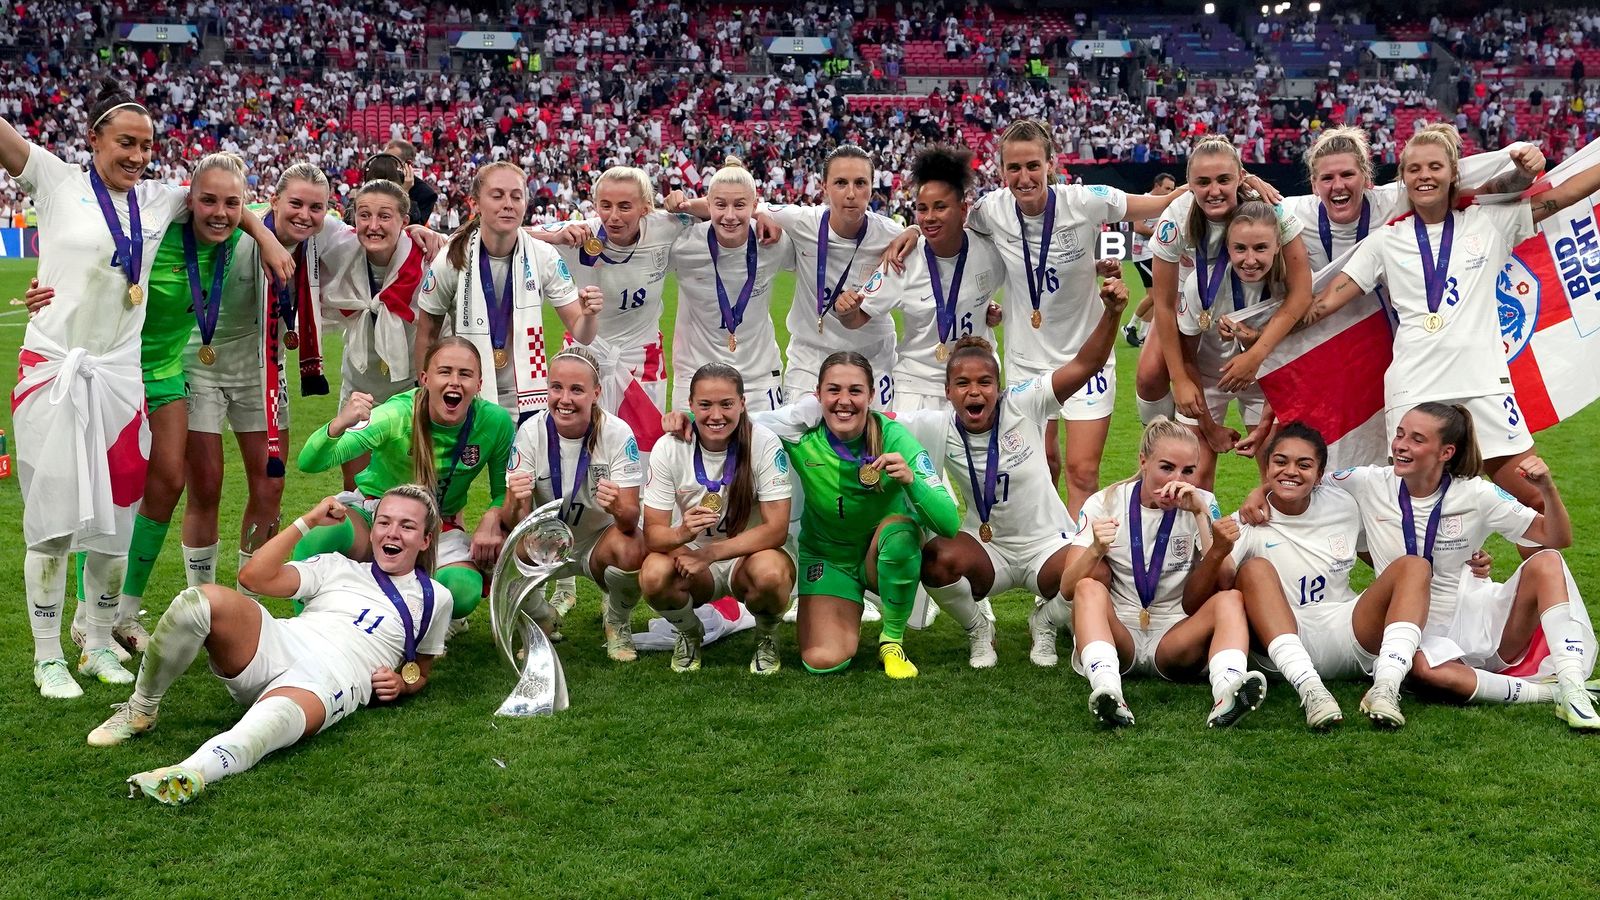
[517,606]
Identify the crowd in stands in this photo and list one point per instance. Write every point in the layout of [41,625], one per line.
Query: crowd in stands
[601,83]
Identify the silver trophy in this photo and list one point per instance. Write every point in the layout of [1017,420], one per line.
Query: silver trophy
[539,549]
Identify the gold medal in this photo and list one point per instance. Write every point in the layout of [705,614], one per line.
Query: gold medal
[712,501]
[1432,323]
[733,343]
[869,477]
[501,358]
[593,247]
[208,356]
[1038,318]
[1144,620]
[135,294]
[291,339]
[819,324]
[1205,320]
[985,533]
[411,673]
[384,368]
[942,352]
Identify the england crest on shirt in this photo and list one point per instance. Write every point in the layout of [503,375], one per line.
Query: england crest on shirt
[1450,527]
[1339,547]
[1180,548]
[1011,441]
[470,455]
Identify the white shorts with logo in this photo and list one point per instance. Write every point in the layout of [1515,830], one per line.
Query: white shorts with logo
[1017,565]
[1092,402]
[1482,609]
[454,545]
[243,408]
[290,655]
[1328,632]
[1145,642]
[1497,422]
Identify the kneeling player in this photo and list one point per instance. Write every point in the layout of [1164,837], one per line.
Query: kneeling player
[368,629]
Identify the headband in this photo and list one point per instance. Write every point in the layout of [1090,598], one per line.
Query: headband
[107,114]
[578,356]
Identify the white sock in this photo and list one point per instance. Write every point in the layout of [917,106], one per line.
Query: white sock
[271,724]
[1143,327]
[1294,663]
[244,558]
[568,585]
[174,644]
[1399,647]
[200,564]
[622,593]
[1058,612]
[685,619]
[1149,409]
[1496,688]
[1100,664]
[956,600]
[102,577]
[1566,639]
[1226,668]
[45,576]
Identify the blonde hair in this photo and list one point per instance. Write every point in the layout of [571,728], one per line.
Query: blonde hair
[632,177]
[430,519]
[1334,141]
[596,413]
[1444,136]
[301,171]
[456,255]
[732,173]
[220,161]
[1160,429]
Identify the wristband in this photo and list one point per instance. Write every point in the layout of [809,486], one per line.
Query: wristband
[305,529]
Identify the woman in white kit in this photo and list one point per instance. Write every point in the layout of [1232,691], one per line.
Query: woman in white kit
[716,516]
[945,291]
[1439,266]
[370,630]
[1143,575]
[725,280]
[78,404]
[576,452]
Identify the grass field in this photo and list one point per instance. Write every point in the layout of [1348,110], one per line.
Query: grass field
[959,783]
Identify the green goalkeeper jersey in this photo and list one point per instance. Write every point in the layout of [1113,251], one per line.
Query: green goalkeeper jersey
[170,318]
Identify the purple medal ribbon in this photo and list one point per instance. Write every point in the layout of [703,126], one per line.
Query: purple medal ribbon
[589,261]
[1408,520]
[1036,274]
[945,312]
[499,306]
[1208,282]
[455,454]
[1435,274]
[825,300]
[1325,226]
[288,308]
[845,453]
[553,452]
[404,610]
[130,248]
[1147,576]
[206,306]
[983,496]
[730,467]
[733,315]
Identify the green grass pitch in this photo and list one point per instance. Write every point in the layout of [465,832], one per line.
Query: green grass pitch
[959,783]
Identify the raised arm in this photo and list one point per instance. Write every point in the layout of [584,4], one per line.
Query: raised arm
[268,572]
[14,149]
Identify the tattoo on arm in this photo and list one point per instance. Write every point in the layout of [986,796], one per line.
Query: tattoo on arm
[1546,207]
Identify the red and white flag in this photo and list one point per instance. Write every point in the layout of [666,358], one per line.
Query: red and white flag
[623,396]
[691,174]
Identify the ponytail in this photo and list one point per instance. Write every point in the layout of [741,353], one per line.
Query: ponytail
[1456,430]
[457,253]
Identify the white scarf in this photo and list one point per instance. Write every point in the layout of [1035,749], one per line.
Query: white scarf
[525,342]
[384,330]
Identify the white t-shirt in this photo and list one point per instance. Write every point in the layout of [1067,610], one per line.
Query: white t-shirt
[1214,352]
[346,608]
[1312,552]
[1473,508]
[438,298]
[698,336]
[1069,298]
[90,309]
[633,284]
[1466,358]
[1174,244]
[917,366]
[617,458]
[803,224]
[1383,203]
[1183,549]
[672,483]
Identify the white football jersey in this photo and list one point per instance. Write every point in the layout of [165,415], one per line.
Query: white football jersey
[917,365]
[1182,553]
[1312,552]
[849,267]
[633,283]
[345,607]
[1383,203]
[1069,301]
[698,336]
[1466,358]
[1174,244]
[617,458]
[1214,352]
[76,250]
[1473,508]
[672,483]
